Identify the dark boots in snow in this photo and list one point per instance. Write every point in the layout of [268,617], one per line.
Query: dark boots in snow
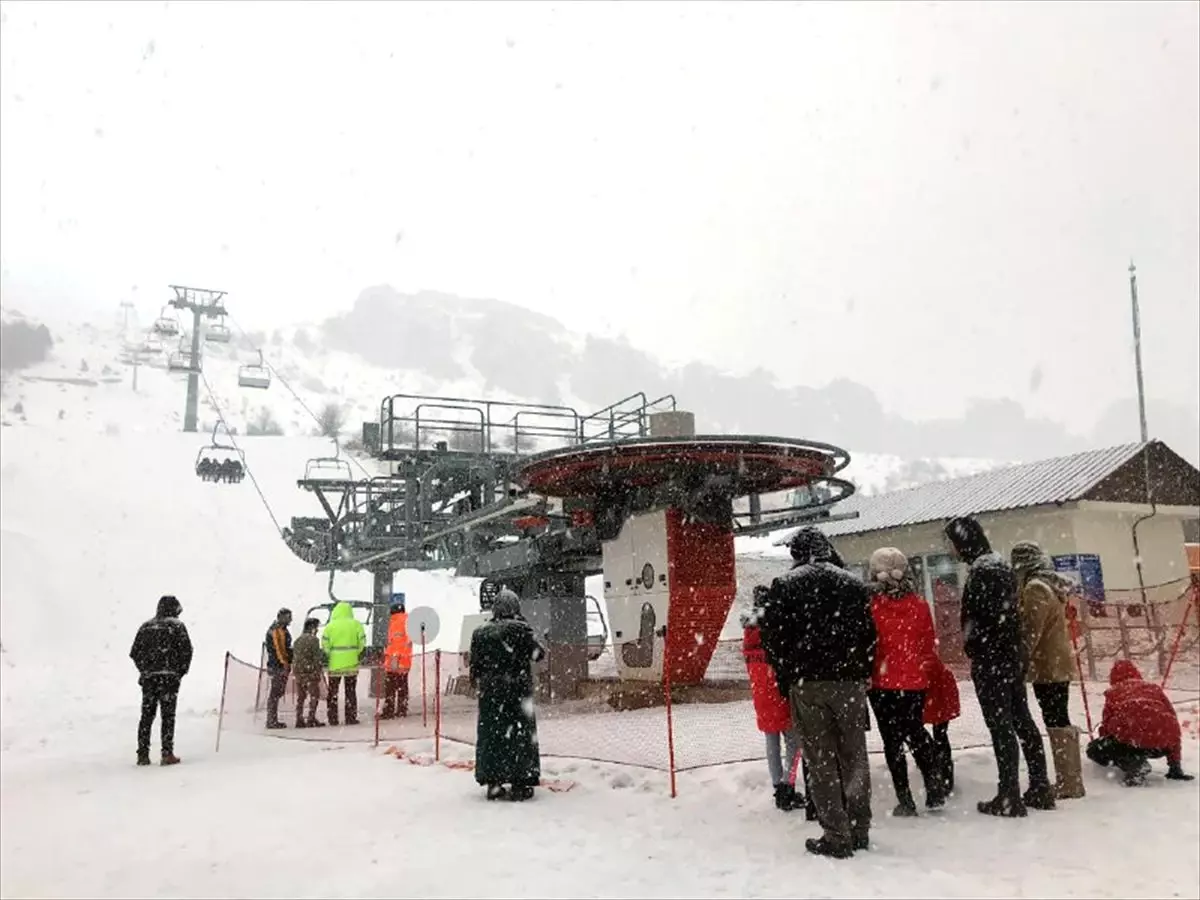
[823,847]
[1004,807]
[786,798]
[1175,773]
[1039,797]
[170,759]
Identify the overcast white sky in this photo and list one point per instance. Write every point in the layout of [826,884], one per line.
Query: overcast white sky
[933,199]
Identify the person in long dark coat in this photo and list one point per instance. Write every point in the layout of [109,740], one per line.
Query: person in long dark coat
[503,651]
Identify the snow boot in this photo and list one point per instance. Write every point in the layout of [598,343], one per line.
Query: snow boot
[861,842]
[313,723]
[275,726]
[786,798]
[1136,772]
[1003,807]
[300,723]
[351,720]
[1068,771]
[520,793]
[496,792]
[170,759]
[143,759]
[905,809]
[1175,773]
[824,847]
[1039,796]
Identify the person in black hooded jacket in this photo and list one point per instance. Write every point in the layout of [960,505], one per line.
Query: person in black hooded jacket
[819,637]
[991,626]
[162,652]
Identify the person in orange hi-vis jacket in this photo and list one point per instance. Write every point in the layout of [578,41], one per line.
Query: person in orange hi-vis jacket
[397,661]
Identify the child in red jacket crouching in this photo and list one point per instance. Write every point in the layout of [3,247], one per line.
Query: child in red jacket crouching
[1139,724]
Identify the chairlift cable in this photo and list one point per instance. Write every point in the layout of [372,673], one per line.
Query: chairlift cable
[275,374]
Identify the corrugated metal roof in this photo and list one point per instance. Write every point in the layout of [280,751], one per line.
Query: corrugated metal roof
[1060,480]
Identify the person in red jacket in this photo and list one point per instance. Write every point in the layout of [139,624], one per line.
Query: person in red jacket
[1139,724]
[904,656]
[774,716]
[941,707]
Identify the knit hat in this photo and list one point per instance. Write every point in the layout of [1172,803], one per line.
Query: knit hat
[890,570]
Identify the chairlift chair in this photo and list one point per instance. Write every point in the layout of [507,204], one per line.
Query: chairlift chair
[218,462]
[329,468]
[182,359]
[254,376]
[166,324]
[217,333]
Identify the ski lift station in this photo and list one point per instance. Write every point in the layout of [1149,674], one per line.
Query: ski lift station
[537,498]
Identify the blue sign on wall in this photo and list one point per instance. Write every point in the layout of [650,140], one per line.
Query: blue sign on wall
[1085,571]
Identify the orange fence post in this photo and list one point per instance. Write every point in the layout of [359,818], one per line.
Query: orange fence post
[1179,636]
[437,706]
[670,716]
[221,709]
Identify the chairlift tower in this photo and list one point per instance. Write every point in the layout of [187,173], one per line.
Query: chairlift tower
[204,304]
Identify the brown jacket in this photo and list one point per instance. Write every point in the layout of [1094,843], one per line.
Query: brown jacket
[1044,634]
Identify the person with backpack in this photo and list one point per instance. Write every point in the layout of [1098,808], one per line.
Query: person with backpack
[278,647]
[162,652]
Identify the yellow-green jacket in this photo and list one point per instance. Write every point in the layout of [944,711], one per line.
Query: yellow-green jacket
[343,640]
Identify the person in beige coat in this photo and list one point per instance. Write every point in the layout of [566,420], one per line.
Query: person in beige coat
[1050,663]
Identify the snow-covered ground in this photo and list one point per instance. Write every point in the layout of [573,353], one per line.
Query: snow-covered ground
[100,514]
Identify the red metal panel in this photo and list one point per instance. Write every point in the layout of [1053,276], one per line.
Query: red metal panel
[703,583]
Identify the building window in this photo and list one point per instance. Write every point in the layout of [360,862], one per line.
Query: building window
[945,583]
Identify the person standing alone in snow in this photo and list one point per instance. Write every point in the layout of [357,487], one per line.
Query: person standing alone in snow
[503,651]
[1047,648]
[820,639]
[772,711]
[162,652]
[278,644]
[307,664]
[343,641]
[991,627]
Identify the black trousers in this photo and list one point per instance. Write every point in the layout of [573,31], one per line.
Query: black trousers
[158,692]
[1052,697]
[331,701]
[941,740]
[1005,708]
[395,694]
[1108,751]
[279,680]
[898,714]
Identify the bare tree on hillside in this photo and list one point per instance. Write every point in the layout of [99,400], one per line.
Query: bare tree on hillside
[264,424]
[331,420]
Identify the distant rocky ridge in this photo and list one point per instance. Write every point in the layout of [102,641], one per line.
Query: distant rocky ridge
[527,354]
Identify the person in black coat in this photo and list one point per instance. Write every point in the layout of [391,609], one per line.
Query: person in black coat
[162,652]
[819,637]
[991,627]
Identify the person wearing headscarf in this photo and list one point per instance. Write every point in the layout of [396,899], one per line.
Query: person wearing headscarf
[904,655]
[992,640]
[503,651]
[820,639]
[1049,662]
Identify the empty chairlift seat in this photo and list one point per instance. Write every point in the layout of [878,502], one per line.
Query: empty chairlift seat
[254,376]
[166,323]
[181,361]
[217,333]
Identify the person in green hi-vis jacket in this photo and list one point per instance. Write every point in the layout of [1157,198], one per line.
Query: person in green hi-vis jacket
[503,651]
[343,642]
